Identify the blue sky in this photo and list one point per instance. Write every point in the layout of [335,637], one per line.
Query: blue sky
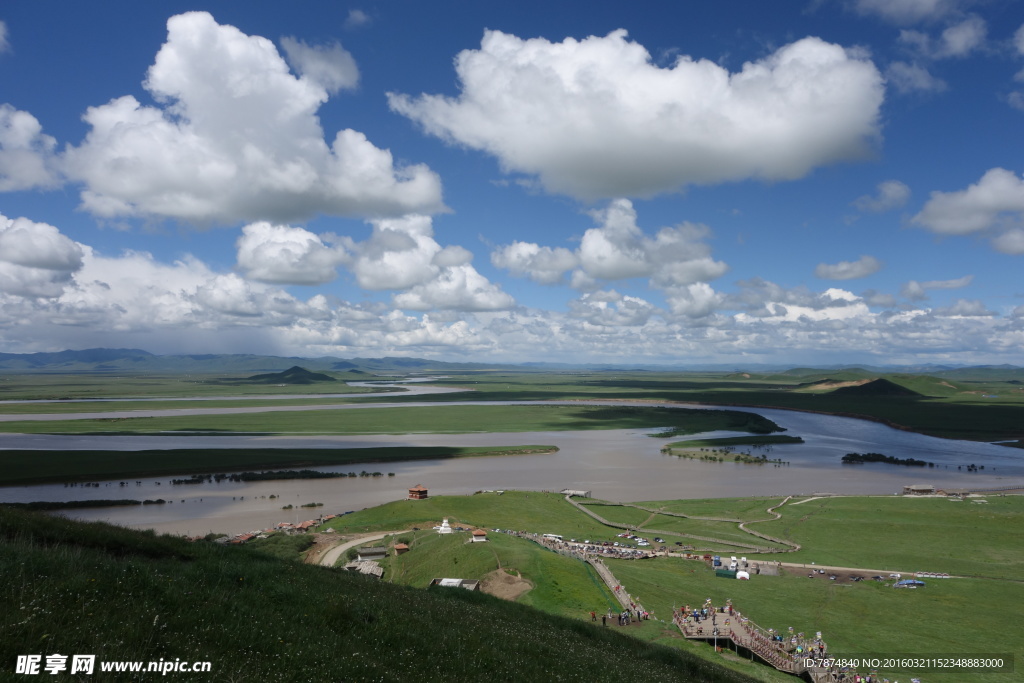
[737,182]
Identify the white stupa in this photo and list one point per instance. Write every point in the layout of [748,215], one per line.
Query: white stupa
[445,529]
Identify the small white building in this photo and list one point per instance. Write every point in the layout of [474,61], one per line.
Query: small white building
[479,536]
[445,528]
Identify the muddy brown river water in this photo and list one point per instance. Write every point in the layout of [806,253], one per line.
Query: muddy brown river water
[622,465]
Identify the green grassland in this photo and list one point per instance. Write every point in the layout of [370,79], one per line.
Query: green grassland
[907,533]
[460,419]
[726,531]
[21,467]
[743,509]
[56,387]
[620,514]
[729,441]
[545,513]
[945,617]
[71,587]
[561,585]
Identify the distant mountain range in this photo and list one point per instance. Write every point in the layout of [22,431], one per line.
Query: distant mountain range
[140,361]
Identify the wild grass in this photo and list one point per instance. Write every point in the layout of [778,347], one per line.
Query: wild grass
[907,533]
[561,585]
[743,509]
[945,617]
[545,513]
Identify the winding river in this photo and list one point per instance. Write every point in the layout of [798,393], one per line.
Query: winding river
[621,465]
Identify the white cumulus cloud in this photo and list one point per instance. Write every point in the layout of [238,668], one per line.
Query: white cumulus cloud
[596,118]
[908,78]
[906,11]
[27,159]
[611,309]
[546,265]
[237,138]
[917,291]
[331,66]
[994,204]
[36,259]
[402,254]
[618,250]
[891,194]
[848,270]
[287,255]
[957,40]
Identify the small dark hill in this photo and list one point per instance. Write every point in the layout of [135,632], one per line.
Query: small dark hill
[878,387]
[293,375]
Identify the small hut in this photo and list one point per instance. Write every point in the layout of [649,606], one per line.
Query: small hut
[479,536]
[918,490]
[417,492]
[401,549]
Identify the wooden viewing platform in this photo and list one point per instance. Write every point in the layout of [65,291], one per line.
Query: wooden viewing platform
[745,634]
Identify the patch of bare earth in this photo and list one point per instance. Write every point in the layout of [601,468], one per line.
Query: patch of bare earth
[500,583]
[321,544]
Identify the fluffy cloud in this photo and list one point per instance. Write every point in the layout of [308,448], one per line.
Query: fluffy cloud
[618,250]
[401,254]
[697,300]
[184,306]
[26,153]
[965,308]
[908,78]
[918,291]
[36,260]
[995,204]
[611,309]
[775,304]
[906,11]
[1010,242]
[5,46]
[459,288]
[848,270]
[545,265]
[957,40]
[331,66]
[357,18]
[892,194]
[237,138]
[283,254]
[596,118]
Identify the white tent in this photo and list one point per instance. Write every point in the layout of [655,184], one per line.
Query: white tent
[743,575]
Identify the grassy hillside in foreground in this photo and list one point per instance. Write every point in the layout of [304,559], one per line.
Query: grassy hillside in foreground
[75,588]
